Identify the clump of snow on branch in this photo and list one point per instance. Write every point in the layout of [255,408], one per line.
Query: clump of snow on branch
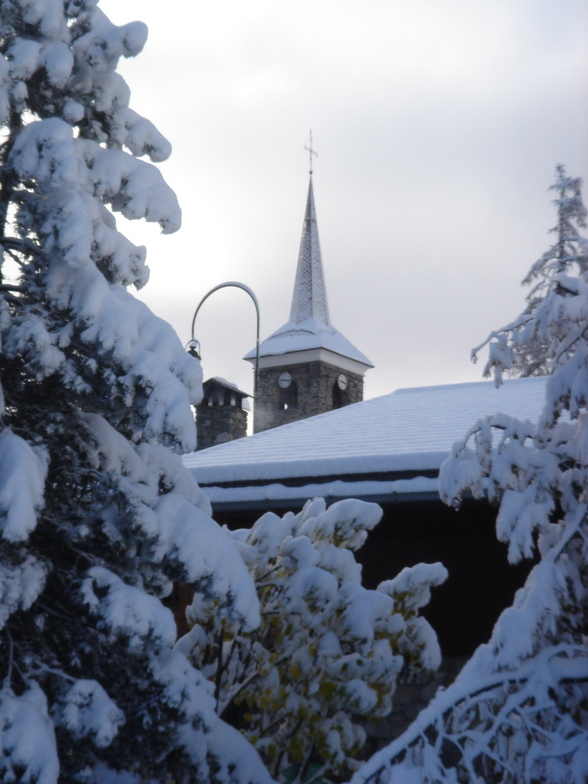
[327,652]
[518,710]
[88,711]
[22,482]
[98,516]
[21,582]
[27,740]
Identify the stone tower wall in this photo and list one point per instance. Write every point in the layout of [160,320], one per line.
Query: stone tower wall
[314,381]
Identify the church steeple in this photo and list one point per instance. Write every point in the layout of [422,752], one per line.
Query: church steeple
[310,296]
[307,366]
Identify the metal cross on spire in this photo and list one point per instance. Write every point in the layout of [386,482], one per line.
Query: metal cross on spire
[311,151]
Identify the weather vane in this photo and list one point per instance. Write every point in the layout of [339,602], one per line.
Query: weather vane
[311,151]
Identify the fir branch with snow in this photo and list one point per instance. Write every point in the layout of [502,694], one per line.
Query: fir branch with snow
[518,711]
[97,514]
[525,347]
[328,652]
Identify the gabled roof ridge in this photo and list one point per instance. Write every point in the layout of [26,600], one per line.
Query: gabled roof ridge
[468,385]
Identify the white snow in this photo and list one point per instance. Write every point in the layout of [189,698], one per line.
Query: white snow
[58,61]
[306,335]
[23,56]
[375,491]
[87,711]
[192,537]
[236,757]
[127,611]
[20,585]
[27,738]
[22,485]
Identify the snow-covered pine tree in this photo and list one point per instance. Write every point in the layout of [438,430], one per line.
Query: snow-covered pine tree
[518,712]
[328,652]
[97,514]
[512,346]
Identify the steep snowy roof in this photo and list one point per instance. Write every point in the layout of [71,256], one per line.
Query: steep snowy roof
[305,335]
[309,326]
[403,436]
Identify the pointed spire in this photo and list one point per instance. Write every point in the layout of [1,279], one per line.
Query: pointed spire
[310,296]
[309,328]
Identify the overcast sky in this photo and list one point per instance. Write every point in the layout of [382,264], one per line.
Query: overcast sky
[438,127]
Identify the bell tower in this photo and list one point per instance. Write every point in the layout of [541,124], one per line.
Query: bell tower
[307,367]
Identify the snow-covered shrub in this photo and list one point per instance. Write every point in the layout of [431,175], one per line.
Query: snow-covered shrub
[97,514]
[518,712]
[328,652]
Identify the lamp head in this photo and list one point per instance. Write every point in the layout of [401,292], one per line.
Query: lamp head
[193,348]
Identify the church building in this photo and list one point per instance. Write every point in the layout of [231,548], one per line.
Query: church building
[306,367]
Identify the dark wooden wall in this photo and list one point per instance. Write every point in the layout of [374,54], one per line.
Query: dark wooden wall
[481,582]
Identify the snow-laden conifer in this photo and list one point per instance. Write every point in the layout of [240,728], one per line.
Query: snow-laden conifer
[328,653]
[518,712]
[97,514]
[519,348]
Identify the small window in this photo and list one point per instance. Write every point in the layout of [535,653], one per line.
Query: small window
[289,397]
[339,397]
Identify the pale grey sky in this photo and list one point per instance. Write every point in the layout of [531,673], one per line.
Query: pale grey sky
[438,126]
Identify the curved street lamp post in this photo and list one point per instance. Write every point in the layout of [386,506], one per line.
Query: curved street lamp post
[193,345]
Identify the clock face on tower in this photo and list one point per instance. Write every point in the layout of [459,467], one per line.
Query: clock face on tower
[285,380]
[342,381]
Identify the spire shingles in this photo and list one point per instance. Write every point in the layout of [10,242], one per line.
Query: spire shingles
[310,296]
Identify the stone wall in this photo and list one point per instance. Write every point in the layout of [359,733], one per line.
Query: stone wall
[314,381]
[217,424]
[409,700]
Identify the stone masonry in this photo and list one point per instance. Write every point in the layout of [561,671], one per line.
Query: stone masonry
[217,424]
[408,701]
[220,416]
[315,384]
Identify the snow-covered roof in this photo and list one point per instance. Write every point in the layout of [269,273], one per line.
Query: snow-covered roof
[309,326]
[307,335]
[224,383]
[401,438]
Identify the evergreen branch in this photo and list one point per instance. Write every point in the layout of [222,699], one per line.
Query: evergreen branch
[44,668]
[579,334]
[8,677]
[448,700]
[21,245]
[514,325]
[219,667]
